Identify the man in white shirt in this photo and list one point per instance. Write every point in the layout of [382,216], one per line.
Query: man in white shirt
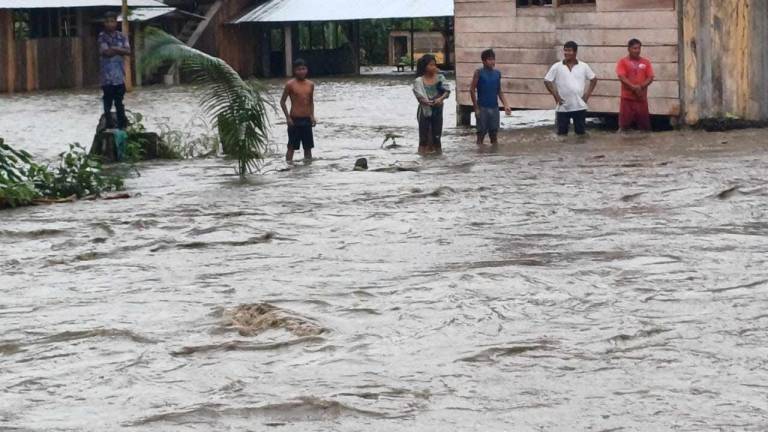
[566,81]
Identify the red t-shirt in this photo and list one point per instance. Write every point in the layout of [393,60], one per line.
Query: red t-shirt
[637,71]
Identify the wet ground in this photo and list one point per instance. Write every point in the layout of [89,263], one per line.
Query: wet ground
[615,283]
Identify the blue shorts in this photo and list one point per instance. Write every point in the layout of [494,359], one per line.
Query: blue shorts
[488,120]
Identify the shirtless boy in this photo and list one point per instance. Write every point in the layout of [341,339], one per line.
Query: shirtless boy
[301,118]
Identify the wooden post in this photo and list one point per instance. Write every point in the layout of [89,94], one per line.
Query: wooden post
[78,57]
[32,78]
[137,55]
[288,42]
[265,37]
[447,35]
[127,59]
[6,26]
[356,47]
[413,44]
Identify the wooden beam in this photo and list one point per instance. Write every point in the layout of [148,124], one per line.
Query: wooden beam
[6,27]
[137,54]
[288,42]
[32,78]
[265,47]
[127,59]
[413,54]
[78,55]
[356,47]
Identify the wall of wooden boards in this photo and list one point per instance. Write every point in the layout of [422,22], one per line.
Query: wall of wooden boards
[725,59]
[528,40]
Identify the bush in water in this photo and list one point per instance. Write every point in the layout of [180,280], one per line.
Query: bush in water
[22,180]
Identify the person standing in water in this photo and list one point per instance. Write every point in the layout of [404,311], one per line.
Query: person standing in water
[486,93]
[566,81]
[431,90]
[635,74]
[113,46]
[301,118]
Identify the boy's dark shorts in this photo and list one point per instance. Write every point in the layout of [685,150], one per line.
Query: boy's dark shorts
[301,133]
[488,120]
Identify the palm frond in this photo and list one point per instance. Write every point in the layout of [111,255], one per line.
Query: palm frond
[236,108]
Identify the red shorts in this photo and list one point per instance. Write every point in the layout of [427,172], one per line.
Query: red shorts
[634,113]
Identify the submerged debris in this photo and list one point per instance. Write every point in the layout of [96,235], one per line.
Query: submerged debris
[361,164]
[252,319]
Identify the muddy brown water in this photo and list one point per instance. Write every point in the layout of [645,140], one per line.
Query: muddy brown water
[617,283]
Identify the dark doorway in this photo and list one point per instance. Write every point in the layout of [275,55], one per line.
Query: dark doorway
[400,47]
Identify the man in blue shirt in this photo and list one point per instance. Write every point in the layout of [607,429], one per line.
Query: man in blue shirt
[113,46]
[485,93]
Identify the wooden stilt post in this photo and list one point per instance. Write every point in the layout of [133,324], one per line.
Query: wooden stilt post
[288,41]
[127,34]
[413,44]
[137,53]
[356,47]
[7,37]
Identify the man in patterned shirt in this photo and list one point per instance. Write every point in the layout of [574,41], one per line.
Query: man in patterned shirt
[113,46]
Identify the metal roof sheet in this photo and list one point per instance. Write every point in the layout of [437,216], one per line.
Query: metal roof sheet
[344,10]
[35,4]
[147,14]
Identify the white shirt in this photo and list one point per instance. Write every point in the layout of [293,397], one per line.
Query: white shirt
[570,84]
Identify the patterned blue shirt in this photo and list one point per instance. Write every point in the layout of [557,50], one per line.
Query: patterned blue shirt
[112,68]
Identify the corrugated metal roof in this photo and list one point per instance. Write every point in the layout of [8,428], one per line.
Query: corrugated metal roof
[344,10]
[36,4]
[146,14]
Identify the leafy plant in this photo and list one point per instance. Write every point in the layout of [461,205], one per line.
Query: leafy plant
[183,145]
[235,108]
[134,144]
[15,187]
[22,180]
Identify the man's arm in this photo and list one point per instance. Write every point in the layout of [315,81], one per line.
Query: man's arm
[592,85]
[473,91]
[627,82]
[651,76]
[111,51]
[284,106]
[503,99]
[312,105]
[553,91]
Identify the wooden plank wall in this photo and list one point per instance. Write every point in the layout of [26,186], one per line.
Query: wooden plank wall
[238,45]
[51,63]
[529,40]
[48,63]
[725,58]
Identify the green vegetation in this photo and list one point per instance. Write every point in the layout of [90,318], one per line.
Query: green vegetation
[134,144]
[23,181]
[235,108]
[183,145]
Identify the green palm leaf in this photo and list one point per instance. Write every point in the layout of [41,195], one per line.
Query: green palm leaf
[236,108]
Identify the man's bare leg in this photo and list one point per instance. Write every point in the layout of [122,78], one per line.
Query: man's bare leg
[307,155]
[494,138]
[289,154]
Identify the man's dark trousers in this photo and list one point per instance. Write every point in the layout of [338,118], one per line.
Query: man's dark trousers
[113,94]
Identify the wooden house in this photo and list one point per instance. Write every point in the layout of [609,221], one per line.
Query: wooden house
[710,56]
[52,44]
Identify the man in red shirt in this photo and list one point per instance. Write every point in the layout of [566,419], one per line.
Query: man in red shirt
[635,74]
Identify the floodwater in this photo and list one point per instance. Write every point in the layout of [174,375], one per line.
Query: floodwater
[617,283]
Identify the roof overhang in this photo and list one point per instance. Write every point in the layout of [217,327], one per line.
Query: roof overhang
[147,14]
[40,4]
[345,10]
